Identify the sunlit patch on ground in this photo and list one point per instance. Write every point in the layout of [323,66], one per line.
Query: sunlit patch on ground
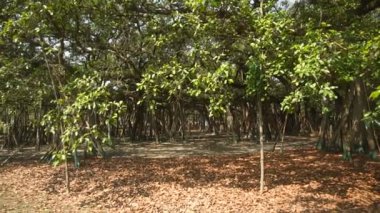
[298,180]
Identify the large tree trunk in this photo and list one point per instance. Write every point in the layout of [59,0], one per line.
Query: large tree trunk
[137,123]
[183,121]
[229,121]
[368,130]
[350,133]
[338,136]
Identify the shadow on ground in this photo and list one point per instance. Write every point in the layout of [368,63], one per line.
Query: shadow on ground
[300,176]
[315,173]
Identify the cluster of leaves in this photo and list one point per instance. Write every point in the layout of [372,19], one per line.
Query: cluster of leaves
[86,100]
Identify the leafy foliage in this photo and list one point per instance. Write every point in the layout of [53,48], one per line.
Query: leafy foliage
[86,100]
[80,63]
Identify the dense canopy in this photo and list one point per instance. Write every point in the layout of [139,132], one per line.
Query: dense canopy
[82,73]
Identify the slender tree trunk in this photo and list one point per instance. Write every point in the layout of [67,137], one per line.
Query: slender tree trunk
[38,127]
[261,135]
[155,126]
[38,139]
[183,122]
[302,119]
[283,133]
[139,114]
[260,121]
[8,140]
[67,176]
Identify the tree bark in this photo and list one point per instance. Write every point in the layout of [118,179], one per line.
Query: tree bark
[260,122]
[283,133]
[261,135]
[67,177]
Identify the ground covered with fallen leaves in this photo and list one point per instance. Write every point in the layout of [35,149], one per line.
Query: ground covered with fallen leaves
[296,181]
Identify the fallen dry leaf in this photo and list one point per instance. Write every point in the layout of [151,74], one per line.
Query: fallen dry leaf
[299,180]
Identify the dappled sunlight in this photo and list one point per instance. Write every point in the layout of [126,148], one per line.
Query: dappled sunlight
[189,106]
[300,179]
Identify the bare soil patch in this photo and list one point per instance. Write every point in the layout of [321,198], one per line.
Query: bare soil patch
[200,145]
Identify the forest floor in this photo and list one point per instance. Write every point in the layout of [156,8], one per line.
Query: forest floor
[198,145]
[192,177]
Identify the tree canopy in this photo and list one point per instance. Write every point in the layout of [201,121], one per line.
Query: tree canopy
[80,73]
